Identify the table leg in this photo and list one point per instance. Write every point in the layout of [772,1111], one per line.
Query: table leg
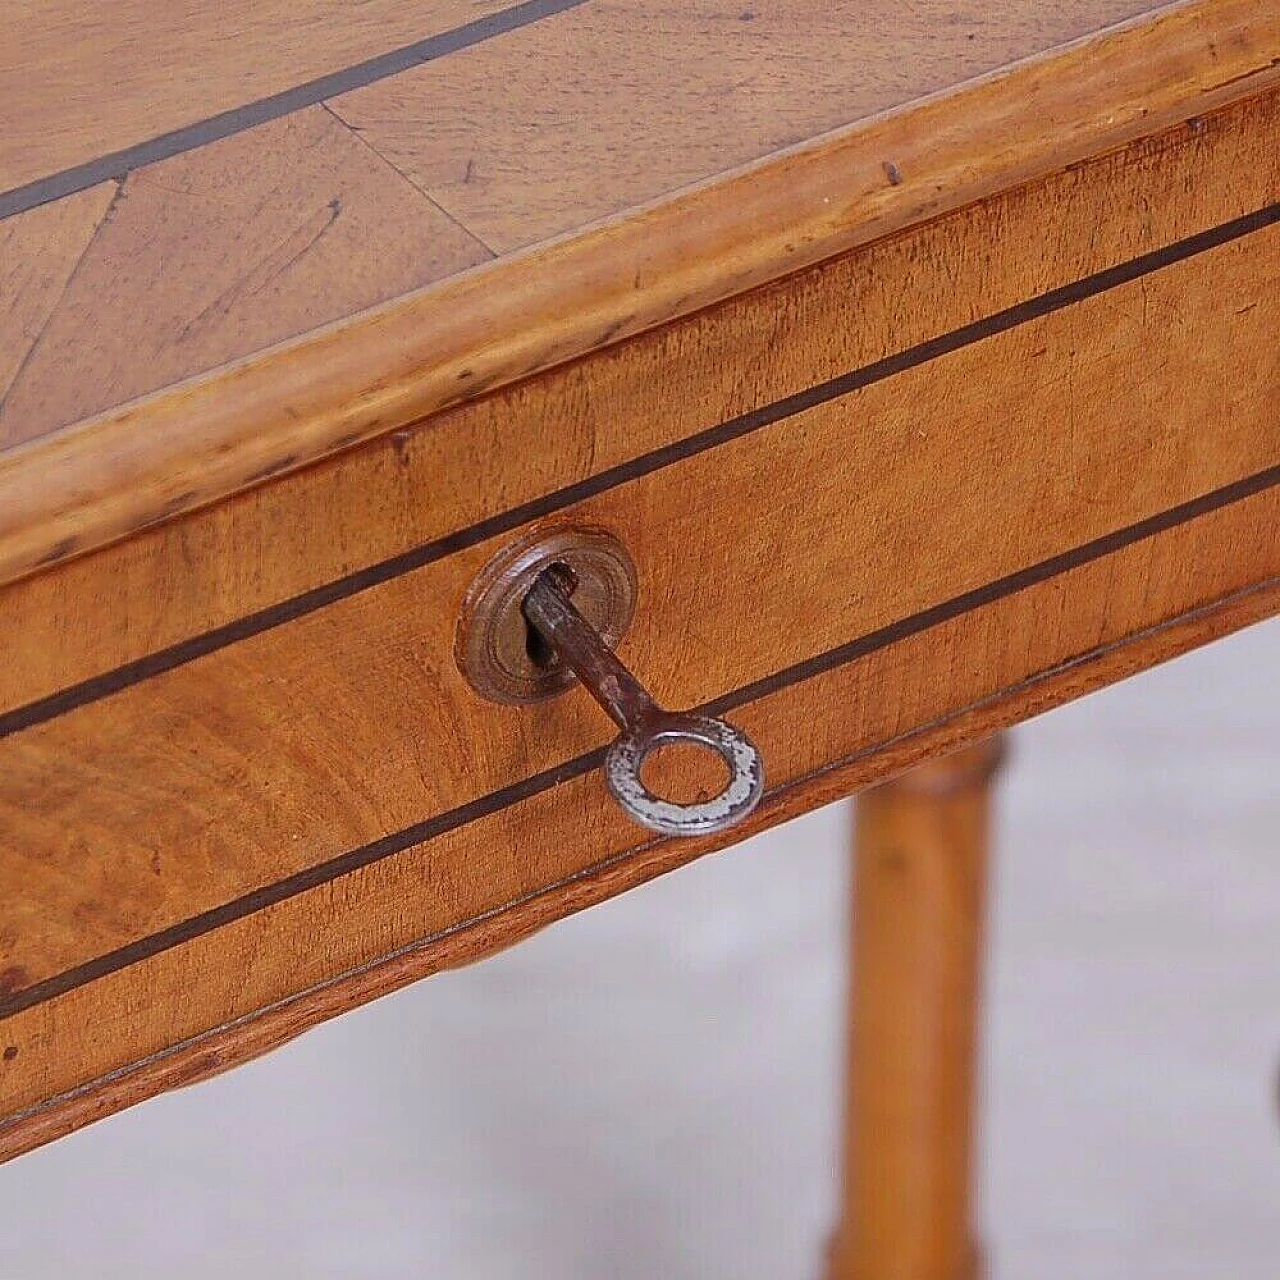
[920,853]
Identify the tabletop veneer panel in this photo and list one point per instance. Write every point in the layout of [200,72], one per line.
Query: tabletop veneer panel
[610,105]
[80,80]
[282,751]
[521,135]
[38,255]
[362,511]
[208,256]
[204,438]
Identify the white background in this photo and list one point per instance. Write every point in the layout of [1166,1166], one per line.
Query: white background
[650,1090]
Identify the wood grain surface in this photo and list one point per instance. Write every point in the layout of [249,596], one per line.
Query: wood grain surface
[172,594]
[612,104]
[38,256]
[902,498]
[127,467]
[254,760]
[274,232]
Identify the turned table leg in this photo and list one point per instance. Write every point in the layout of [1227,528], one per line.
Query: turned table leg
[920,852]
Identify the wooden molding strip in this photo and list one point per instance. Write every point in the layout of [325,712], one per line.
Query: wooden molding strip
[202,440]
[103,168]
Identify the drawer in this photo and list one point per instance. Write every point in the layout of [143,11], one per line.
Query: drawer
[876,508]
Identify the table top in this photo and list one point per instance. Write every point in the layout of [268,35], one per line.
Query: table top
[422,201]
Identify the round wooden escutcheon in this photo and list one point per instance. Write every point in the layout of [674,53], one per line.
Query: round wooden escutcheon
[496,649]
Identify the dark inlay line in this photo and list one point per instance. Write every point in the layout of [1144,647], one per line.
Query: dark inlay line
[474,810]
[117,163]
[111,682]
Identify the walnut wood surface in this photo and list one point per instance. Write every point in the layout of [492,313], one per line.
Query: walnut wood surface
[243,268]
[525,134]
[215,254]
[899,499]
[613,104]
[173,594]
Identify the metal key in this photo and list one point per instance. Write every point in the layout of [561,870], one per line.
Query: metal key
[645,725]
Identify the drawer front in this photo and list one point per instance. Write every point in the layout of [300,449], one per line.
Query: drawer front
[876,509]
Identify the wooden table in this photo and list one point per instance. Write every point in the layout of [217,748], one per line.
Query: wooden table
[923,358]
